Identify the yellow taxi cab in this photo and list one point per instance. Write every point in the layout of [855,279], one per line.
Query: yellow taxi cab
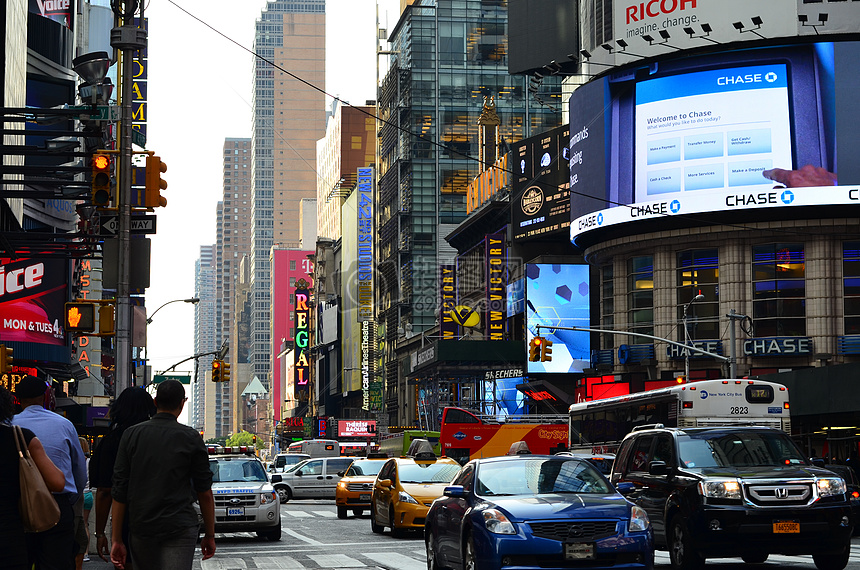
[355,487]
[406,487]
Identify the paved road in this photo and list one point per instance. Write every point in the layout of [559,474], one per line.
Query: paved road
[315,538]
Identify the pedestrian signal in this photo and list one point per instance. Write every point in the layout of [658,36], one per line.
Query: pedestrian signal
[80,317]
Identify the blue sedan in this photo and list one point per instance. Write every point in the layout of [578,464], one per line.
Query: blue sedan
[535,511]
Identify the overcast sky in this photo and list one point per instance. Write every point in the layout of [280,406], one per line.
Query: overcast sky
[199,94]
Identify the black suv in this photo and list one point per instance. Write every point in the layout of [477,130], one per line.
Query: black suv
[722,492]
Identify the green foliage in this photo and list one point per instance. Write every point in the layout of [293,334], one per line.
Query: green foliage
[244,438]
[217,441]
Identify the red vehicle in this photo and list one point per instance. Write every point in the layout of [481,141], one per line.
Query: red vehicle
[469,435]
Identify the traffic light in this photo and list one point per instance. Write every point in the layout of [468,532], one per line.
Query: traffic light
[106,319]
[154,183]
[5,359]
[80,317]
[254,439]
[216,370]
[100,190]
[546,350]
[225,371]
[535,348]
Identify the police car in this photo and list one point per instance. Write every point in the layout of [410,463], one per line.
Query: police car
[245,500]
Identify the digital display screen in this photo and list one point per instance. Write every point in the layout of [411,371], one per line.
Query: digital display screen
[759,394]
[711,130]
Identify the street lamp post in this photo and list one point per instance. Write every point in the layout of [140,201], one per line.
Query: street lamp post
[192,300]
[687,339]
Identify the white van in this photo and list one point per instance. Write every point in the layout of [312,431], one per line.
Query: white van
[316,447]
[312,478]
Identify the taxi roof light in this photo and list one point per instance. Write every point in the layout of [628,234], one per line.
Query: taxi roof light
[420,449]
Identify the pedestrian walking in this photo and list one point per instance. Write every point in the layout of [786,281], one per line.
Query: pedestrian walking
[161,467]
[13,556]
[133,406]
[82,513]
[53,549]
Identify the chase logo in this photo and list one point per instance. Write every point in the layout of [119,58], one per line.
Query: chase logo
[770,76]
[703,394]
[599,219]
[787,197]
[675,206]
[460,436]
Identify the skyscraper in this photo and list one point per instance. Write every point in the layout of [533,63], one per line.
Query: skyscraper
[204,332]
[288,119]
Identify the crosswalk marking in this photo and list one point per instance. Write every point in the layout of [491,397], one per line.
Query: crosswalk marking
[395,560]
[216,563]
[302,537]
[276,563]
[328,514]
[336,561]
[298,514]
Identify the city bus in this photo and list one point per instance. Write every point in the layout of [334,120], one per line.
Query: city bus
[316,447]
[467,434]
[397,444]
[600,425]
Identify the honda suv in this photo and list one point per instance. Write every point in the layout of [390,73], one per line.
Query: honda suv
[722,492]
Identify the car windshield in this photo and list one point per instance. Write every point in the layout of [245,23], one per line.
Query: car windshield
[365,467]
[537,476]
[427,472]
[738,449]
[228,469]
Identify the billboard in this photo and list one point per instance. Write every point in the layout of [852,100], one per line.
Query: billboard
[33,293]
[557,295]
[540,200]
[356,428]
[727,134]
[366,245]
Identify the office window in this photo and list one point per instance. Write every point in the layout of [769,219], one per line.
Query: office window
[779,290]
[607,305]
[640,296]
[851,285]
[698,273]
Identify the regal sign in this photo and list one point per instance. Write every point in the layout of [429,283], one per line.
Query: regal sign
[302,347]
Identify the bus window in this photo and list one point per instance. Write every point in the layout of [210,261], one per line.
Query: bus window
[457,416]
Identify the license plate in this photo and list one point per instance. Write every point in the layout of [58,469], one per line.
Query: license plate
[235,511]
[579,551]
[786,527]
[364,497]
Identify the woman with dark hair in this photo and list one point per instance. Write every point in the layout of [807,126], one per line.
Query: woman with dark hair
[14,555]
[134,405]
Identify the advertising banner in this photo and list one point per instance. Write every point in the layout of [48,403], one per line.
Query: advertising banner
[356,428]
[302,350]
[33,293]
[497,280]
[448,327]
[365,255]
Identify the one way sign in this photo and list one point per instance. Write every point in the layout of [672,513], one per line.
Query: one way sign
[139,225]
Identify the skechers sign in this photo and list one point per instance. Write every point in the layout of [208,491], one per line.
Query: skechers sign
[302,348]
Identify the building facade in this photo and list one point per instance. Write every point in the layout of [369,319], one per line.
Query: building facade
[205,338]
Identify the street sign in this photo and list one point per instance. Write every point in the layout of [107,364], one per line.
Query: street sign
[183,377]
[139,225]
[138,138]
[101,113]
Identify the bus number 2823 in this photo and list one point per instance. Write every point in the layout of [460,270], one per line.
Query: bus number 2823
[739,410]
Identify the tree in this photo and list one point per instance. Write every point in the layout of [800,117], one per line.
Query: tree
[244,438]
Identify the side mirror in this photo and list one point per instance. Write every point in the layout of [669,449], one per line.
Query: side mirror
[385,482]
[299,473]
[817,461]
[454,491]
[659,468]
[625,487]
[277,478]
[341,473]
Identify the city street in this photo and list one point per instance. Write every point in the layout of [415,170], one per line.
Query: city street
[315,538]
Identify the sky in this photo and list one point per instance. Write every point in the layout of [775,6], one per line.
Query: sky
[199,94]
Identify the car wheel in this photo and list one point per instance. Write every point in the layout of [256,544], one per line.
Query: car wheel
[357,512]
[284,494]
[341,512]
[396,531]
[430,543]
[273,535]
[373,526]
[681,552]
[832,561]
[470,560]
[758,558]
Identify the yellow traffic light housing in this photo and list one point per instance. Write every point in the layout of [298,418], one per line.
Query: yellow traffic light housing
[535,348]
[225,371]
[80,317]
[100,185]
[106,319]
[216,370]
[154,182]
[5,359]
[546,351]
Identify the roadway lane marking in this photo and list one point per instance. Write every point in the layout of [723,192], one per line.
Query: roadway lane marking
[298,514]
[395,560]
[216,563]
[294,534]
[276,563]
[324,513]
[336,561]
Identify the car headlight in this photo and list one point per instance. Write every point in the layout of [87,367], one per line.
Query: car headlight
[406,498]
[341,485]
[720,489]
[497,523]
[268,497]
[830,486]
[638,520]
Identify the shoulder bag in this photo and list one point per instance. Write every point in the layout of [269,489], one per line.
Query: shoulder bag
[38,509]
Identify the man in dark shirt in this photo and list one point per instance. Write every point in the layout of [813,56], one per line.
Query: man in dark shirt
[160,467]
